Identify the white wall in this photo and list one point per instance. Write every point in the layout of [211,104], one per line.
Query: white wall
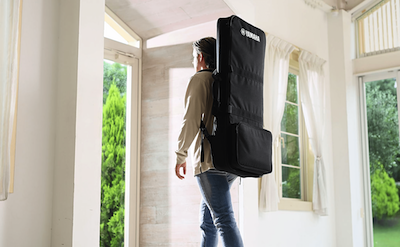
[306,28]
[25,218]
[58,149]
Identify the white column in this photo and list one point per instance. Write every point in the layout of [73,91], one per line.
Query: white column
[89,108]
[76,194]
[347,162]
[63,188]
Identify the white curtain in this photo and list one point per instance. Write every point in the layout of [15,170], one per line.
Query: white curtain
[9,18]
[312,93]
[277,55]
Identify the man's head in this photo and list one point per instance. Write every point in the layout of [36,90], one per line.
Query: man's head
[204,51]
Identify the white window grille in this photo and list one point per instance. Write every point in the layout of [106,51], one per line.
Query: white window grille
[378,29]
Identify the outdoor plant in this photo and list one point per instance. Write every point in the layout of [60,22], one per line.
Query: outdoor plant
[113,170]
[384,194]
[383,131]
[115,73]
[291,189]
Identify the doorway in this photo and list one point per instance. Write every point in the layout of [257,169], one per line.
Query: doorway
[120,146]
[380,98]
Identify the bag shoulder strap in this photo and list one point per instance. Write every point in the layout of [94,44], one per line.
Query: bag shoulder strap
[204,133]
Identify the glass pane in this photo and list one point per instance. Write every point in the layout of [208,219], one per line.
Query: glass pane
[384,159]
[290,150]
[113,159]
[291,182]
[113,30]
[290,119]
[110,33]
[291,93]
[114,73]
[375,24]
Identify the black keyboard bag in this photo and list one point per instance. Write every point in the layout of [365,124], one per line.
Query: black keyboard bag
[240,145]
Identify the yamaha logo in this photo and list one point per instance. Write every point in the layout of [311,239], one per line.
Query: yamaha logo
[250,35]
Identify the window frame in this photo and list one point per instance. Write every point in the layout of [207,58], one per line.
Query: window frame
[306,158]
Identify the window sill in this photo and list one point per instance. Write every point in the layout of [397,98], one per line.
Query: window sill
[294,205]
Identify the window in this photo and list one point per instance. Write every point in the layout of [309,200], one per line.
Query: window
[290,146]
[378,29]
[296,158]
[116,29]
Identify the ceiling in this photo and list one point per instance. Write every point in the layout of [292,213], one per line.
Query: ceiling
[343,4]
[151,18]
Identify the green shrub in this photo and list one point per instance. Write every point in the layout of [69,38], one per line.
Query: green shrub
[291,187]
[383,126]
[116,74]
[113,170]
[384,195]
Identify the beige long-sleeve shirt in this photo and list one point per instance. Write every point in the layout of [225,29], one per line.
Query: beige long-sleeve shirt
[198,101]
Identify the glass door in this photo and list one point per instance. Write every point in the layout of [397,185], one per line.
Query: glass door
[380,100]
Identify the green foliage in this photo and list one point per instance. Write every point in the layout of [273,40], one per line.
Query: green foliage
[385,200]
[383,131]
[290,119]
[291,187]
[291,92]
[290,152]
[387,85]
[113,170]
[115,73]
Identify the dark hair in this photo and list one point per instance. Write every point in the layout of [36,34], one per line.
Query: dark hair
[206,46]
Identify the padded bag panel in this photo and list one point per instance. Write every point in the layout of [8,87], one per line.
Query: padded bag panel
[247,72]
[240,68]
[251,152]
[248,47]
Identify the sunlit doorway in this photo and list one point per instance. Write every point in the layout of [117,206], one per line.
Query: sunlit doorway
[120,181]
[380,101]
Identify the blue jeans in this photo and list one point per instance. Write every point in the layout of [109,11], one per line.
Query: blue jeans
[216,212]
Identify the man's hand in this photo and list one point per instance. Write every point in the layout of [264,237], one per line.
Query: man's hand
[178,169]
